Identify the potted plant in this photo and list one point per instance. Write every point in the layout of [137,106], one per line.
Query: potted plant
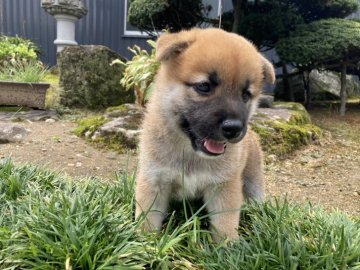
[21,73]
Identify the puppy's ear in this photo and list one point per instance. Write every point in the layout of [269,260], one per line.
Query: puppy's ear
[169,46]
[268,70]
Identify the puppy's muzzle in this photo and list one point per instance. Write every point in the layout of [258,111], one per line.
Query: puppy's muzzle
[232,129]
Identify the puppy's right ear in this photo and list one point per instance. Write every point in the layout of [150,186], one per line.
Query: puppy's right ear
[169,46]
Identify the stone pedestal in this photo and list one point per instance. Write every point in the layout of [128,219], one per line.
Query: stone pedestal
[66,13]
[65,25]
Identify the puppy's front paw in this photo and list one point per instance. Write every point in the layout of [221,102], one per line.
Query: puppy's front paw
[226,237]
[150,222]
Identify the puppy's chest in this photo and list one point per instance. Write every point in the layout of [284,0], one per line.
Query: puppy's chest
[191,185]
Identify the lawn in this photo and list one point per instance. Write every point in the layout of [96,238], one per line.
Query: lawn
[49,221]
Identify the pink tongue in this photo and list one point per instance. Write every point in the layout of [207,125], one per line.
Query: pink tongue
[214,146]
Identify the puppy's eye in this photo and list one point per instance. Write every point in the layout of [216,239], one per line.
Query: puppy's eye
[202,87]
[246,95]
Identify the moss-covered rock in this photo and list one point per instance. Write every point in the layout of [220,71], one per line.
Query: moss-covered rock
[89,125]
[117,129]
[284,128]
[88,80]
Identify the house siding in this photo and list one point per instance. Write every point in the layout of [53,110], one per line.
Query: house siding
[103,25]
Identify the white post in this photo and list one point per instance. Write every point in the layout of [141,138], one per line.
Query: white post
[65,27]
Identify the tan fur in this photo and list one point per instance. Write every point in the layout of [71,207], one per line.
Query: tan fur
[169,167]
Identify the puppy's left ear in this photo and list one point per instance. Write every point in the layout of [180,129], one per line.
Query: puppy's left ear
[169,46]
[268,70]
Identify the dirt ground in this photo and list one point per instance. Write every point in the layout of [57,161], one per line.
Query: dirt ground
[326,173]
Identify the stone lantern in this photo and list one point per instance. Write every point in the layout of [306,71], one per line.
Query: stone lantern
[66,13]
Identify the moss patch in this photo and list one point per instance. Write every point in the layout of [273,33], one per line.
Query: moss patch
[115,142]
[89,124]
[281,138]
[299,115]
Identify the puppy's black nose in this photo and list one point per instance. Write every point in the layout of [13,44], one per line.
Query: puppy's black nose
[231,128]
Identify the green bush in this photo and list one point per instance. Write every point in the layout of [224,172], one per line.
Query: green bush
[88,80]
[16,49]
[173,15]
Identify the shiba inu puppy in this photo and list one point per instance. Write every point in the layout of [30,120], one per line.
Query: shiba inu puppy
[196,141]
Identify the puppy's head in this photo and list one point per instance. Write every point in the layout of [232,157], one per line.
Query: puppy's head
[208,86]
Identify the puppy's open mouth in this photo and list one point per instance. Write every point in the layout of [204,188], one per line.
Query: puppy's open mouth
[213,147]
[206,145]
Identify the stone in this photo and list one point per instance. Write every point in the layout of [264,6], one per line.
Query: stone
[50,121]
[323,85]
[88,80]
[125,124]
[10,132]
[284,128]
[329,82]
[266,101]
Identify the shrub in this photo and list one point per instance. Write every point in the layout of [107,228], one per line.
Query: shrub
[88,80]
[17,49]
[173,15]
[140,72]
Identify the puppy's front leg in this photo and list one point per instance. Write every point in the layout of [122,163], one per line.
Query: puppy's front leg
[224,202]
[151,199]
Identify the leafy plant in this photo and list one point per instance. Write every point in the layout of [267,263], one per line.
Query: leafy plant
[23,71]
[17,49]
[140,72]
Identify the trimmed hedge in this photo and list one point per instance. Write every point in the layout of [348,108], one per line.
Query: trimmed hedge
[88,80]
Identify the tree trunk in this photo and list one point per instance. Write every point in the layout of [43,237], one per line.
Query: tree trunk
[306,81]
[343,89]
[238,14]
[288,91]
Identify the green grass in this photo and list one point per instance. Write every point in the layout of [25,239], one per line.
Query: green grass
[52,79]
[53,93]
[31,71]
[48,221]
[13,109]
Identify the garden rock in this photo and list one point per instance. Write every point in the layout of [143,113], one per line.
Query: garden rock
[124,123]
[12,133]
[284,128]
[323,85]
[266,101]
[89,80]
[120,129]
[329,82]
